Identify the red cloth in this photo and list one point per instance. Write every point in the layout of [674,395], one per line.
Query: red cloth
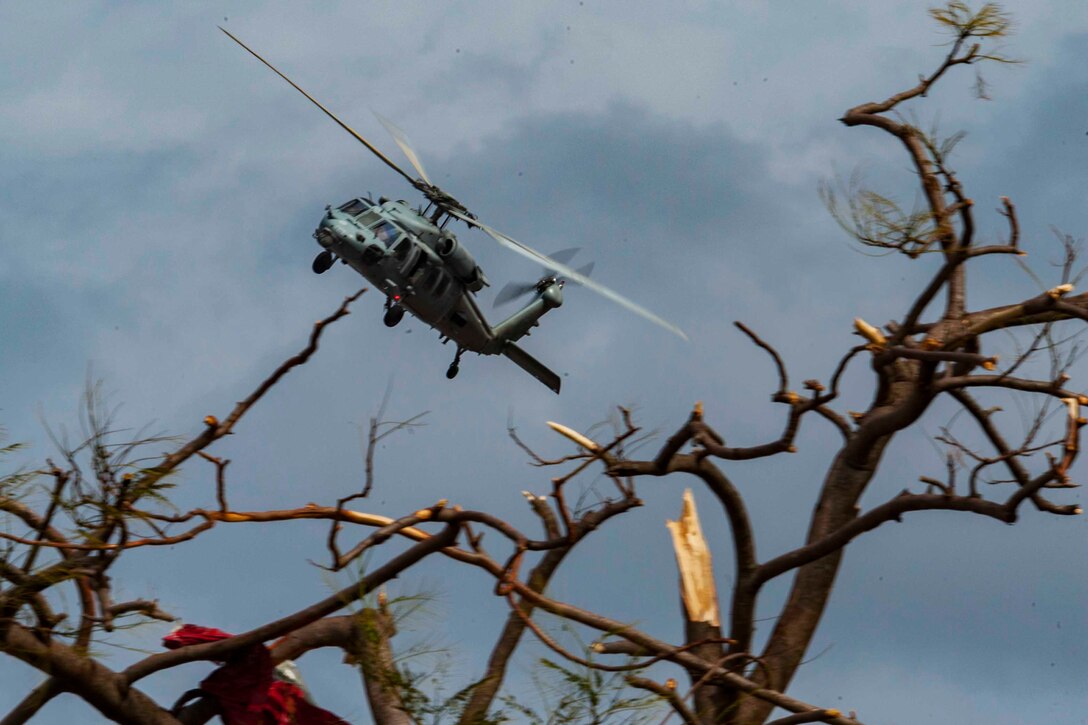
[245,687]
[188,634]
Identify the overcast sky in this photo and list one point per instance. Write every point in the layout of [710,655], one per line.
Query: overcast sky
[158,189]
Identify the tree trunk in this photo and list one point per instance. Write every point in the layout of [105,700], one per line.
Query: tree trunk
[813,583]
[700,599]
[102,688]
[378,667]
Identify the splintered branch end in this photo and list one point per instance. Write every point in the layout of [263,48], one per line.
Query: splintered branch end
[575,436]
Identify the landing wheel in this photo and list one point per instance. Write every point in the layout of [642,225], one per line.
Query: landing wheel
[322,262]
[453,369]
[393,316]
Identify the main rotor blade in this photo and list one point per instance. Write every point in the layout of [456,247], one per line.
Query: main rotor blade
[327,112]
[530,253]
[405,145]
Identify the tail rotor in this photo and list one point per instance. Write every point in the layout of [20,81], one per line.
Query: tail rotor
[515,290]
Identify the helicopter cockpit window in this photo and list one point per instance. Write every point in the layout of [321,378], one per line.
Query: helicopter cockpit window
[386,233]
[355,207]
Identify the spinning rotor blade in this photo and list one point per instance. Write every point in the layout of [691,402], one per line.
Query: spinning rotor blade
[564,255]
[327,112]
[511,292]
[402,141]
[585,270]
[529,253]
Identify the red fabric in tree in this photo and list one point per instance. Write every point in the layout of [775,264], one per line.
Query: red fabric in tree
[245,687]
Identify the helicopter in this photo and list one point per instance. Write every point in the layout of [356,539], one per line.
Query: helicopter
[420,266]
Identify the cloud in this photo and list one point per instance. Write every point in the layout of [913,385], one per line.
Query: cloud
[159,188]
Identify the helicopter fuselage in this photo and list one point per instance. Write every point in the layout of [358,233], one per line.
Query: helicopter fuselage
[423,268]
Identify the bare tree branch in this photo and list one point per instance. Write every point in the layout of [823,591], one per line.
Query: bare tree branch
[666,693]
[214,430]
[221,649]
[35,700]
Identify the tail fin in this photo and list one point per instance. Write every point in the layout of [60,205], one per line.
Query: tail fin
[531,365]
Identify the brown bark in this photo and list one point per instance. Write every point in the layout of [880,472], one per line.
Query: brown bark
[899,403]
[813,583]
[105,690]
[37,699]
[373,630]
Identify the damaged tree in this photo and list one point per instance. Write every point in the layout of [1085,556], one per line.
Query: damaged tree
[939,349]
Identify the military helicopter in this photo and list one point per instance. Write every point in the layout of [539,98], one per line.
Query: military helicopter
[419,265]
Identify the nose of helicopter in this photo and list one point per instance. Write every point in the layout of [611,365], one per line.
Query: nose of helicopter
[333,230]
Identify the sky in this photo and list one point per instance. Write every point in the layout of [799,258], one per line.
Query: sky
[158,190]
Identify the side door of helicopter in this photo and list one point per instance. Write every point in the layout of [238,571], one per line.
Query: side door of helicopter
[434,290]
